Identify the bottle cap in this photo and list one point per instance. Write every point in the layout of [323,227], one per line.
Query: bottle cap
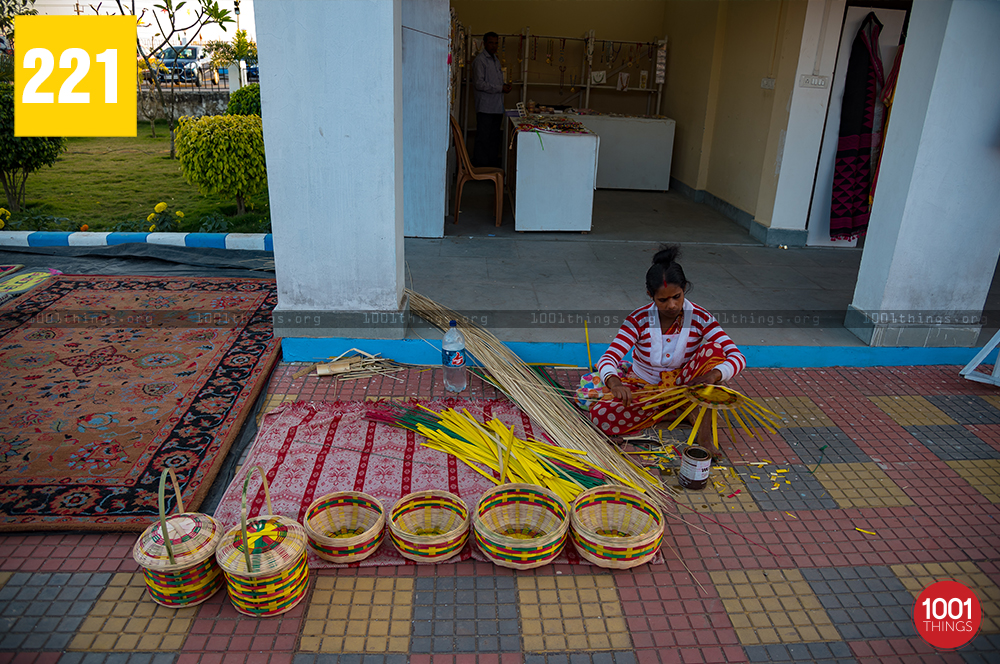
[453,324]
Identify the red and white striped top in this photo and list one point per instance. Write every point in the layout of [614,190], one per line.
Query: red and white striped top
[652,351]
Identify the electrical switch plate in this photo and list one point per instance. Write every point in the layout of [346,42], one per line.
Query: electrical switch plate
[810,81]
[767,83]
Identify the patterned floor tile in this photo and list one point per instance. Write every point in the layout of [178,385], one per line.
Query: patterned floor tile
[984,476]
[725,492]
[571,613]
[467,614]
[823,445]
[350,658]
[608,657]
[862,485]
[953,443]
[836,652]
[796,489]
[42,611]
[797,411]
[966,409]
[118,658]
[982,650]
[358,615]
[864,602]
[124,619]
[911,411]
[993,400]
[773,606]
[916,578]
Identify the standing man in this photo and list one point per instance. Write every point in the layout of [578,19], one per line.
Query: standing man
[487,77]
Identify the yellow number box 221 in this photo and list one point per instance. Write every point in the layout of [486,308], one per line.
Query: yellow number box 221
[74,76]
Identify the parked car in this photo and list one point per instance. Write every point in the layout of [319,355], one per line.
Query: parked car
[187,65]
[253,75]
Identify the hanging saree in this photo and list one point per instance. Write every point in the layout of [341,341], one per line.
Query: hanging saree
[860,135]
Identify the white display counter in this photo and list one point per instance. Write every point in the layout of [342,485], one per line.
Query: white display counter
[635,152]
[552,177]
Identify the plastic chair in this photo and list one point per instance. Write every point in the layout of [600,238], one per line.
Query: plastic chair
[466,172]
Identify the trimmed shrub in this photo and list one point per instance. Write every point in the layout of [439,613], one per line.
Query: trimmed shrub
[245,101]
[223,155]
[20,157]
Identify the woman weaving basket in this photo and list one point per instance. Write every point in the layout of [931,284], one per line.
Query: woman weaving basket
[673,341]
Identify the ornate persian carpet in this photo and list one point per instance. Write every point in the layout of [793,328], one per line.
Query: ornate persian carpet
[106,381]
[309,449]
[8,269]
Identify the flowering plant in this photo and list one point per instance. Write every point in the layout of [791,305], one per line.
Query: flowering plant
[160,219]
[4,216]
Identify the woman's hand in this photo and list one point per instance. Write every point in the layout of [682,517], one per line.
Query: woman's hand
[713,377]
[618,390]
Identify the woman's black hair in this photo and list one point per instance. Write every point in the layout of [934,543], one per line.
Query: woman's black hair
[666,270]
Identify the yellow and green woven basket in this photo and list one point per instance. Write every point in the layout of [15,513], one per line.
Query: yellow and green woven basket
[521,525]
[264,560]
[345,526]
[616,527]
[180,569]
[429,526]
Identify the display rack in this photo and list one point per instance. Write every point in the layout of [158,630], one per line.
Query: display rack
[654,52]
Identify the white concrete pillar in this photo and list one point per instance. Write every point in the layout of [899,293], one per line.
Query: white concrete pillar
[934,235]
[237,76]
[426,26]
[331,100]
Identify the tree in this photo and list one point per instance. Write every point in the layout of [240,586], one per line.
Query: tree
[8,10]
[206,13]
[223,155]
[20,157]
[226,54]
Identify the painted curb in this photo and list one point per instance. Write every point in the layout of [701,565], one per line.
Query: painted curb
[233,241]
[418,351]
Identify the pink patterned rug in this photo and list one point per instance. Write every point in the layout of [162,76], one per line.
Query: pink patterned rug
[308,449]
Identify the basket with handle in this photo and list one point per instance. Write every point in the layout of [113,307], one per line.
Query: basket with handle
[521,525]
[264,559]
[615,526]
[180,569]
[429,526]
[345,526]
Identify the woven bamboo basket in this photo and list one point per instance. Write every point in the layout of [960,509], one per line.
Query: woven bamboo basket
[615,526]
[264,560]
[180,569]
[429,526]
[521,525]
[345,526]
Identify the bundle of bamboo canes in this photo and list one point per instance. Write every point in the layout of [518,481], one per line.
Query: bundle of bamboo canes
[566,426]
[493,445]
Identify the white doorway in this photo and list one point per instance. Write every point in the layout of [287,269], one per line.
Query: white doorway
[818,227]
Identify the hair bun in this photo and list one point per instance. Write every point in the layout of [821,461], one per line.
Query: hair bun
[667,254]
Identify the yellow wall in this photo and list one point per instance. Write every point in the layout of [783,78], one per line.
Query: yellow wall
[792,21]
[690,28]
[629,20]
[744,108]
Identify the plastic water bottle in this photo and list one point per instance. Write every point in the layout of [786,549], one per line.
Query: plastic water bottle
[453,359]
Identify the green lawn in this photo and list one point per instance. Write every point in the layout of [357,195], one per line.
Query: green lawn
[102,182]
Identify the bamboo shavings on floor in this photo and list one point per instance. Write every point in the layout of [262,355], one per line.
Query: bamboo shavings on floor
[494,446]
[565,425]
[353,367]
